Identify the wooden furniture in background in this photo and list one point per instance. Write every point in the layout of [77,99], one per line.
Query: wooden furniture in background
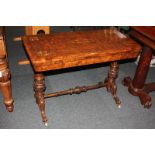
[84,28]
[72,49]
[137,86]
[33,30]
[5,82]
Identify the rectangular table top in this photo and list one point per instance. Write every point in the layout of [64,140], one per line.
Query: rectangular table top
[71,49]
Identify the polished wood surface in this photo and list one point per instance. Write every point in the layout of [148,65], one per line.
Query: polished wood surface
[143,39]
[137,86]
[147,31]
[5,82]
[72,49]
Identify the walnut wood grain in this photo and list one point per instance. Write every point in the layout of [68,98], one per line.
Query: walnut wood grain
[72,49]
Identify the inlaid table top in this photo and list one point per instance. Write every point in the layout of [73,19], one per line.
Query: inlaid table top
[70,49]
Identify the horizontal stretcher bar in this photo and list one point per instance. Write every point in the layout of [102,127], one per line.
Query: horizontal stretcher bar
[76,90]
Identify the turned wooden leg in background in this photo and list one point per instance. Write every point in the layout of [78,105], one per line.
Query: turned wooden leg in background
[5,84]
[137,86]
[39,88]
[110,82]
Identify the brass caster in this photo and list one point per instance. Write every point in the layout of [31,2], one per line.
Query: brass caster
[46,124]
[119,106]
[148,105]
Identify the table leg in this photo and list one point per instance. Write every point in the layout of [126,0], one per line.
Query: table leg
[5,84]
[39,88]
[137,86]
[110,82]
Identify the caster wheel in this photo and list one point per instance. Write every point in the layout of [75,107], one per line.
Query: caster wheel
[119,106]
[46,124]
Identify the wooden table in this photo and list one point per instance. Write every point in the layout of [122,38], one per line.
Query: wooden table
[72,49]
[137,87]
[5,82]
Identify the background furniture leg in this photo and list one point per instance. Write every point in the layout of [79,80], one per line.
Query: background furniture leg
[5,84]
[137,86]
[142,68]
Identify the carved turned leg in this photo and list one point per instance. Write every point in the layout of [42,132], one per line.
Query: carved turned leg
[5,84]
[110,82]
[137,86]
[39,88]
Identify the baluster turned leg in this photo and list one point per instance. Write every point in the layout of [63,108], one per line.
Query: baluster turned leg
[110,82]
[5,84]
[39,88]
